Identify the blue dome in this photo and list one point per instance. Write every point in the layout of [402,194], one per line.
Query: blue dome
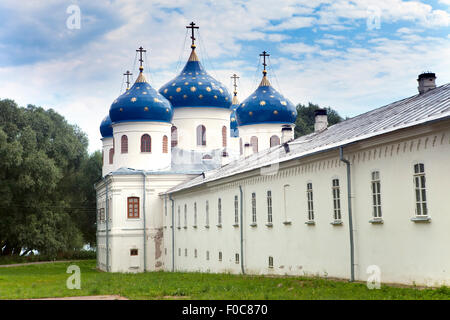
[141,103]
[194,87]
[234,130]
[266,105]
[106,129]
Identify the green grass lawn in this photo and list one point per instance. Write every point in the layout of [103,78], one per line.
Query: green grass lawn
[49,280]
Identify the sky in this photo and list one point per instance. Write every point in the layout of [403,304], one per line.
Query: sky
[353,56]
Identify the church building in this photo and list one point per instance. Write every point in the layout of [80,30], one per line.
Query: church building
[194,180]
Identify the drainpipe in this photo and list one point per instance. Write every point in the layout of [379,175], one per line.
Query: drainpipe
[242,230]
[107,224]
[173,236]
[145,225]
[350,220]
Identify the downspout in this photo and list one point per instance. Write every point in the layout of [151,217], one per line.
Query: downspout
[350,219]
[242,230]
[145,225]
[107,224]
[173,236]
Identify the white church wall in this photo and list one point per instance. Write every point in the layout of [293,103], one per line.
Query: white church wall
[405,251]
[134,158]
[262,131]
[188,119]
[107,144]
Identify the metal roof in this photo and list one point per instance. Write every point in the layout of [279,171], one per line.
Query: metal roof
[433,105]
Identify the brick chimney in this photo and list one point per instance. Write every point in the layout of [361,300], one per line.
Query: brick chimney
[427,81]
[320,120]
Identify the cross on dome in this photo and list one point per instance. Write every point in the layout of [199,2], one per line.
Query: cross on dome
[141,51]
[192,27]
[128,74]
[264,54]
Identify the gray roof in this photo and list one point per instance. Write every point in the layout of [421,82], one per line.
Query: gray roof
[433,105]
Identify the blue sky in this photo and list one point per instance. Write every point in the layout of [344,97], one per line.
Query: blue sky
[333,53]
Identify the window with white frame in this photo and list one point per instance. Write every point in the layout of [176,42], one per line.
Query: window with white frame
[220,255]
[236,210]
[254,208]
[376,194]
[236,258]
[179,252]
[179,218]
[219,211]
[419,185]
[336,199]
[207,255]
[185,252]
[270,262]
[207,213]
[185,215]
[269,206]
[195,253]
[309,196]
[195,214]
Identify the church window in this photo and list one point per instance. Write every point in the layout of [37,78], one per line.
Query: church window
[254,144]
[165,144]
[207,255]
[179,252]
[419,185]
[376,194]
[185,216]
[195,214]
[174,136]
[101,215]
[111,155]
[336,199]
[134,252]
[309,196]
[236,258]
[270,262]
[220,255]
[224,136]
[185,252]
[269,206]
[219,211]
[133,207]
[201,135]
[179,218]
[207,213]
[274,141]
[195,253]
[146,143]
[254,208]
[236,210]
[124,144]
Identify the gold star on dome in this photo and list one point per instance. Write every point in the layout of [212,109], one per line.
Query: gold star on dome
[264,91]
[233,119]
[144,92]
[167,109]
[272,96]
[250,113]
[145,108]
[243,104]
[215,97]
[133,99]
[170,97]
[178,89]
[121,109]
[185,96]
[190,73]
[262,103]
[275,112]
[283,103]
[157,100]
[208,89]
[221,91]
[200,96]
[226,98]
[165,90]
[200,83]
[193,89]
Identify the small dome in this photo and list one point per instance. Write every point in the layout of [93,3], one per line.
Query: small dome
[194,87]
[106,129]
[266,105]
[141,103]
[234,131]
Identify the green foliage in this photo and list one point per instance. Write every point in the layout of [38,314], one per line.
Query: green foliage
[49,280]
[47,202]
[304,124]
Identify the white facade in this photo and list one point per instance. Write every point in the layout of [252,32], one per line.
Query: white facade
[107,147]
[263,133]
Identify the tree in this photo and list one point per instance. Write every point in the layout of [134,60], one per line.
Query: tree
[304,124]
[47,202]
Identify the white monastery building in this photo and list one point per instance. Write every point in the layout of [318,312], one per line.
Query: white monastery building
[193,180]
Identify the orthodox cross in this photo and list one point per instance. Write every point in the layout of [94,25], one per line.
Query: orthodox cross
[192,27]
[264,55]
[141,51]
[235,77]
[128,74]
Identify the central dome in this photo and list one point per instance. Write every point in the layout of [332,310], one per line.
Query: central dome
[194,87]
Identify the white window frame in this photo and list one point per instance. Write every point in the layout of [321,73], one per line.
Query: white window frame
[420,190]
[254,208]
[310,200]
[269,207]
[336,193]
[375,186]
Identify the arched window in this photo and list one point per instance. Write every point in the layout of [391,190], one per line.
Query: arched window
[254,143]
[124,144]
[111,155]
[224,136]
[201,135]
[241,147]
[165,145]
[274,141]
[174,136]
[146,143]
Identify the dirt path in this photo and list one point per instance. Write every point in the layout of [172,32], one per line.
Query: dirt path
[31,263]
